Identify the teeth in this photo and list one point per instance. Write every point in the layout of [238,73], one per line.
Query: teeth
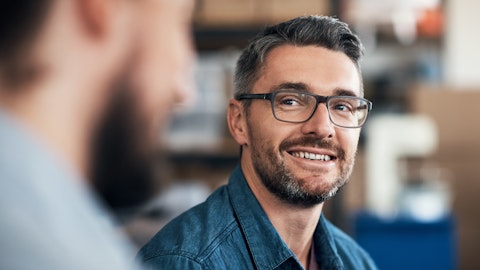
[311,156]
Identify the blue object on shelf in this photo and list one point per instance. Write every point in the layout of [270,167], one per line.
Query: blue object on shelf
[405,243]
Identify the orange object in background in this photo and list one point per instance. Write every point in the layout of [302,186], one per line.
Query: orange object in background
[431,23]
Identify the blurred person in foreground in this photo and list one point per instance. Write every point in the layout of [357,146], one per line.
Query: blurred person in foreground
[85,86]
[297,114]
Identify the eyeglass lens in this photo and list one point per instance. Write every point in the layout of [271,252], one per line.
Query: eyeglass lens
[299,107]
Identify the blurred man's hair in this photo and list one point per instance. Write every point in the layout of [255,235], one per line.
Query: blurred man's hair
[20,23]
[322,31]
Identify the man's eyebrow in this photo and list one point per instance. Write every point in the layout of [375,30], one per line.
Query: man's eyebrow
[290,86]
[345,92]
[304,88]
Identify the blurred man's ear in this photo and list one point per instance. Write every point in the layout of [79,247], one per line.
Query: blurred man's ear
[237,122]
[96,15]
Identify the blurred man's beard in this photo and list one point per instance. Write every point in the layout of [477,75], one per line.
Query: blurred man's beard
[123,154]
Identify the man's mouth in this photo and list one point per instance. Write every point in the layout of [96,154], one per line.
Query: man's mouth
[312,156]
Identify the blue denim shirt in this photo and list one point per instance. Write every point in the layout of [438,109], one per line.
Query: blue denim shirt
[230,230]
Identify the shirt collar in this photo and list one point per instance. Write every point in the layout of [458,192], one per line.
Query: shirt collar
[325,249]
[267,248]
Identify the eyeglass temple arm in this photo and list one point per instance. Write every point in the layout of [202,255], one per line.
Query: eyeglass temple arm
[253,96]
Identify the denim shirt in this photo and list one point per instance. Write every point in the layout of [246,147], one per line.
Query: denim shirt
[230,230]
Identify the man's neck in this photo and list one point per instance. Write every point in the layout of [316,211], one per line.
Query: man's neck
[295,224]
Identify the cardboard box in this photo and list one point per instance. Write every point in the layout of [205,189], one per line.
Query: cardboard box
[455,112]
[281,10]
[224,13]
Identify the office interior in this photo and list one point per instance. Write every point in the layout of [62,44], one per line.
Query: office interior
[412,198]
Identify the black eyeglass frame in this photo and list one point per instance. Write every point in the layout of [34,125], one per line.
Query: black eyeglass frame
[319,99]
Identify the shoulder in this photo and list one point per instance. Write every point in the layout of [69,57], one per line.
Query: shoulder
[352,254]
[192,237]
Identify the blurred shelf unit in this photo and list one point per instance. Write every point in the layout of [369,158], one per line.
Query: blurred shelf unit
[200,129]
[227,156]
[214,38]
[198,136]
[221,24]
[404,22]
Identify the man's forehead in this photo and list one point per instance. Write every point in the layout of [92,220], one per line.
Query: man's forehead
[292,51]
[309,68]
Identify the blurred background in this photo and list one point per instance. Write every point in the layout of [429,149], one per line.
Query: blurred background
[413,197]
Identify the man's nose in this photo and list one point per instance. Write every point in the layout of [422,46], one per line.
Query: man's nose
[320,123]
[185,91]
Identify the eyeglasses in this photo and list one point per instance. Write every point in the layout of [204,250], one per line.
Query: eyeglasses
[298,107]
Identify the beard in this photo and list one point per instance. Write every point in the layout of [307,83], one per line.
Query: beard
[123,156]
[282,182]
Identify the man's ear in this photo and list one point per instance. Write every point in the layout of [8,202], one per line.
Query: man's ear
[96,15]
[237,122]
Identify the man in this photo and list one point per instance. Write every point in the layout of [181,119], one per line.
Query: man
[297,114]
[78,79]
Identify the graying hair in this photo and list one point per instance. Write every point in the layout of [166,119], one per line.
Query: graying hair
[323,31]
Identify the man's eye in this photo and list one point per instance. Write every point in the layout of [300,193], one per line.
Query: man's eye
[343,106]
[290,102]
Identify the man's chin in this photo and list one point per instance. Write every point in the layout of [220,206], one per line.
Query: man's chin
[312,188]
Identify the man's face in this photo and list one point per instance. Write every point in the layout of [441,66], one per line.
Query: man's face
[162,68]
[277,149]
[156,77]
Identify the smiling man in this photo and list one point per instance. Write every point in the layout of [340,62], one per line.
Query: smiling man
[297,114]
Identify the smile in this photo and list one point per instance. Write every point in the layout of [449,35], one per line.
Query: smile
[312,156]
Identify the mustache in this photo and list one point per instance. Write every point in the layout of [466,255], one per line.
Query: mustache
[316,143]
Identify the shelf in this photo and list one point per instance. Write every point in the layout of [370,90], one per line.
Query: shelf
[219,38]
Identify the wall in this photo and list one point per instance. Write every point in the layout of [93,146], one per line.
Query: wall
[462,43]
[456,113]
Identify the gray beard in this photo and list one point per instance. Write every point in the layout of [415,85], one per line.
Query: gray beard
[284,185]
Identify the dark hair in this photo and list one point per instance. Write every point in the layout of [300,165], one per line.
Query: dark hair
[323,31]
[20,23]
